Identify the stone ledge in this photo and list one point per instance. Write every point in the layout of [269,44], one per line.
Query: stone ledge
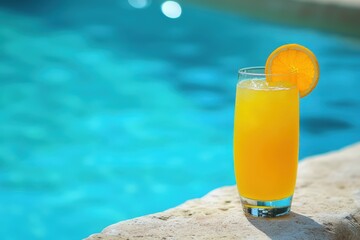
[326,205]
[340,16]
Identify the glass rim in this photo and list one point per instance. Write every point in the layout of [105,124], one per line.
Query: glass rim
[250,71]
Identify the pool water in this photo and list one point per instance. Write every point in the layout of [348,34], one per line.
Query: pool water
[110,112]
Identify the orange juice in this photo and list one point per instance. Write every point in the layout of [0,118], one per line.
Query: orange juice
[266,139]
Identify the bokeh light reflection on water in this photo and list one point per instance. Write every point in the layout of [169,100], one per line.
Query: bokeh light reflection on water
[139,3]
[171,9]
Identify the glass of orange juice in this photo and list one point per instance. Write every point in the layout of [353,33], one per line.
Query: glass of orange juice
[266,141]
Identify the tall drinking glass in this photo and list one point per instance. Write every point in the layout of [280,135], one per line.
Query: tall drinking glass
[266,141]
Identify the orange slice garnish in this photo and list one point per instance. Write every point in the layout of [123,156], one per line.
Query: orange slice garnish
[296,62]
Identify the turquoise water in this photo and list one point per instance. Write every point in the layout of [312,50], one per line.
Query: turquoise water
[110,112]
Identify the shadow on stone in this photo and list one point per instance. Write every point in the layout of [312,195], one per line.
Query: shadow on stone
[292,226]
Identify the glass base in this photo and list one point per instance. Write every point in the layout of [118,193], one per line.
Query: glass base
[268,209]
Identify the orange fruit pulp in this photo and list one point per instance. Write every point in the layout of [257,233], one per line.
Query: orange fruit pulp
[296,64]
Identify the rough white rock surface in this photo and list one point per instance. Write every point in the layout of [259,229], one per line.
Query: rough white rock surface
[326,205]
